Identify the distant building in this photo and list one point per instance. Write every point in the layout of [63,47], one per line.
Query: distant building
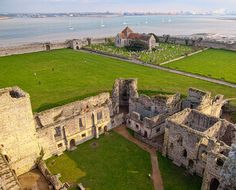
[128,37]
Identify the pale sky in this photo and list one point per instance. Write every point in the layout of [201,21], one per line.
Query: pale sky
[20,6]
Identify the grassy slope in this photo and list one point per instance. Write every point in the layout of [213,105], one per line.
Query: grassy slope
[77,75]
[218,64]
[175,178]
[114,164]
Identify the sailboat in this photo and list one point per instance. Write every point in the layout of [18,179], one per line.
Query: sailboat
[124,22]
[102,24]
[146,22]
[70,27]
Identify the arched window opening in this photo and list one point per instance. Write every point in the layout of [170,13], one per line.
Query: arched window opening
[190,163]
[219,162]
[72,143]
[6,158]
[180,140]
[171,146]
[185,154]
[214,184]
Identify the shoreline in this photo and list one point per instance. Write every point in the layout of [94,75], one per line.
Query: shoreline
[4,18]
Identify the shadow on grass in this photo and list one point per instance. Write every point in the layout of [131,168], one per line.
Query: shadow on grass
[47,106]
[177,178]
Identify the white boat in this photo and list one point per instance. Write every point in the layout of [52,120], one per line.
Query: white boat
[169,20]
[102,24]
[70,27]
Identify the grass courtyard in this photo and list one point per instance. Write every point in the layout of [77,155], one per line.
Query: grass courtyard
[219,64]
[61,76]
[110,162]
[177,178]
[164,52]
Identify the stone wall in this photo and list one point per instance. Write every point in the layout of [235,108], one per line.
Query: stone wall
[53,179]
[198,42]
[34,47]
[17,130]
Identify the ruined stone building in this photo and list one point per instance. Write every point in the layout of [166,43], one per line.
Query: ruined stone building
[200,143]
[64,127]
[202,101]
[193,134]
[147,115]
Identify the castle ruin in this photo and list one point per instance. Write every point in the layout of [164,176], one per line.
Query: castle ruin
[193,134]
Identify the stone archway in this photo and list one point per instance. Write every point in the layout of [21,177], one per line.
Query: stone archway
[48,48]
[145,134]
[72,143]
[214,184]
[190,164]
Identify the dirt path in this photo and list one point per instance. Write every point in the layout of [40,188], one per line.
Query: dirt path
[156,175]
[216,81]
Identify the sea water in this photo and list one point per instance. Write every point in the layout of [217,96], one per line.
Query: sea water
[26,30]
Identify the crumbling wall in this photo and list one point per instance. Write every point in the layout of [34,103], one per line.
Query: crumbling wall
[228,172]
[202,101]
[65,127]
[53,179]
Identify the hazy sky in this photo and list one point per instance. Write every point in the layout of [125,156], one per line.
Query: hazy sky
[114,5]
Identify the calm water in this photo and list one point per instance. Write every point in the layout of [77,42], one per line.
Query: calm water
[24,30]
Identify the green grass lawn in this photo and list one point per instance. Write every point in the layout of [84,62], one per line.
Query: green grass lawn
[164,52]
[112,163]
[219,64]
[176,178]
[65,75]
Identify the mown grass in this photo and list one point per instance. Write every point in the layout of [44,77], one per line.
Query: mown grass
[164,52]
[219,64]
[112,163]
[61,76]
[177,178]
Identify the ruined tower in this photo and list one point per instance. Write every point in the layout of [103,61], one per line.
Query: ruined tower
[17,130]
[123,91]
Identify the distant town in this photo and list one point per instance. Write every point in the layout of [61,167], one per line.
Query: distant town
[104,14]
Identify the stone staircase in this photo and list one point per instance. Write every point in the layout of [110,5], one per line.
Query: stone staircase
[8,180]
